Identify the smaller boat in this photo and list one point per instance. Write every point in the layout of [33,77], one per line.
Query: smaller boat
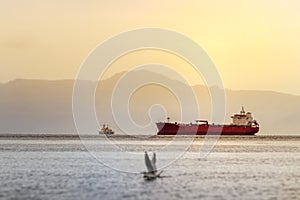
[106,131]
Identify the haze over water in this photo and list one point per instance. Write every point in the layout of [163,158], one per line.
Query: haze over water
[48,47]
[258,167]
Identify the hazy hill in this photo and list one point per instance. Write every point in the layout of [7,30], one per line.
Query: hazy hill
[46,106]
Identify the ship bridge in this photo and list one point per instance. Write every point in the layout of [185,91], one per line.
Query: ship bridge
[243,119]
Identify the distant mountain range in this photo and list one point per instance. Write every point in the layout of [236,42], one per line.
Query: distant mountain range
[41,106]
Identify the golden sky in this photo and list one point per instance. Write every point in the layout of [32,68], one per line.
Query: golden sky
[255,44]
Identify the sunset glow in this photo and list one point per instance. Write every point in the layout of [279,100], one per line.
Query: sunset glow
[254,44]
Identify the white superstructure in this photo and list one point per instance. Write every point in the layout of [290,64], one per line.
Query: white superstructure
[243,119]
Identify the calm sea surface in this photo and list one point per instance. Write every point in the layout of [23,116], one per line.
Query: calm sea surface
[55,167]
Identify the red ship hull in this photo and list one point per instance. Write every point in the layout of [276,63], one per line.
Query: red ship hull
[165,128]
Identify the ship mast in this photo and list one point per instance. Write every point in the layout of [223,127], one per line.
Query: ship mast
[243,111]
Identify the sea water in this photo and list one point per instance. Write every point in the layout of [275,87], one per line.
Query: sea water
[261,167]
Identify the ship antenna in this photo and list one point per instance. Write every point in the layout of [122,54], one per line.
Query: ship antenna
[242,111]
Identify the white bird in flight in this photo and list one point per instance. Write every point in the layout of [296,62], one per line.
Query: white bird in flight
[151,167]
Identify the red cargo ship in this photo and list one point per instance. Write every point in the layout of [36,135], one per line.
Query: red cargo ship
[242,124]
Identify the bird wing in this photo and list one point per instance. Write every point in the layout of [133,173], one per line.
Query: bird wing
[153,161]
[148,163]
